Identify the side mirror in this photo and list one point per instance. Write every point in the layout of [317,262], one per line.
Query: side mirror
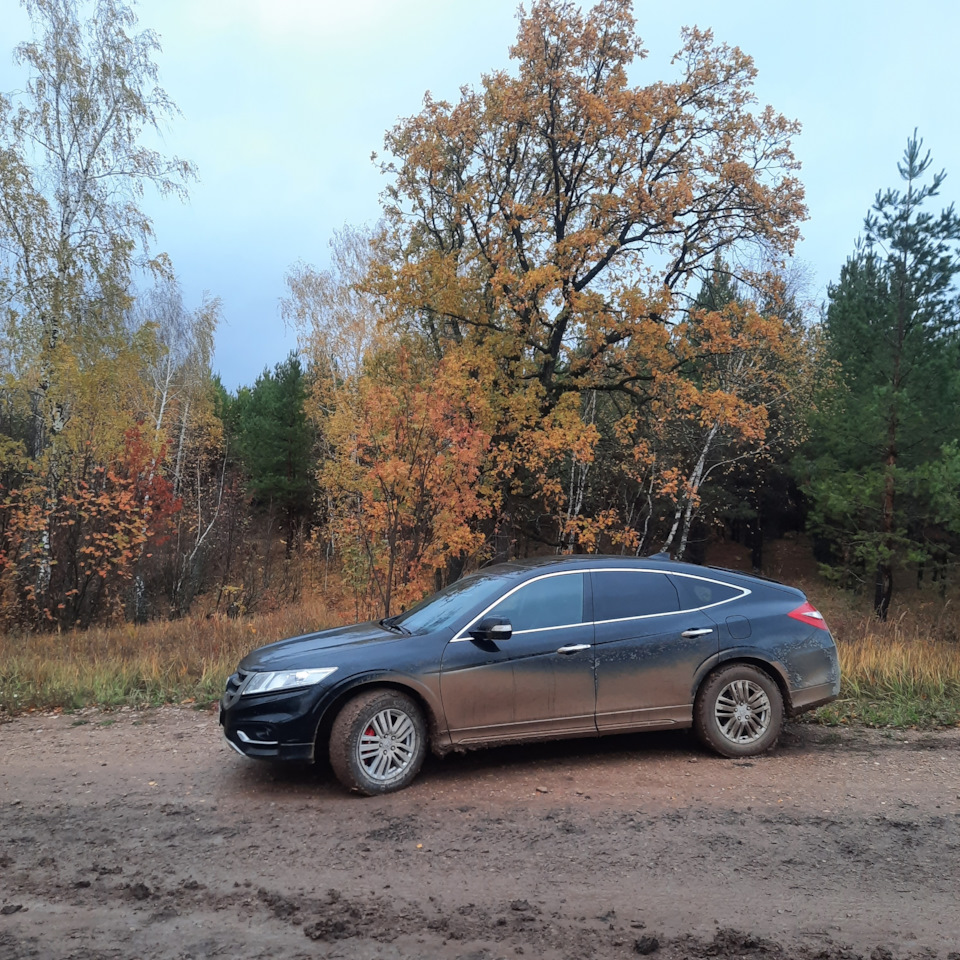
[492,629]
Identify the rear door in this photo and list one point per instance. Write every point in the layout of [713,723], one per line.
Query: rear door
[648,649]
[540,682]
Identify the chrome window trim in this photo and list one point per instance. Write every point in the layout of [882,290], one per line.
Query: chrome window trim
[562,626]
[744,591]
[463,634]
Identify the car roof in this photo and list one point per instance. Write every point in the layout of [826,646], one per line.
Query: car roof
[659,562]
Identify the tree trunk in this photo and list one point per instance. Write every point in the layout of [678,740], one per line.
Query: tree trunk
[756,537]
[883,590]
[685,507]
[884,582]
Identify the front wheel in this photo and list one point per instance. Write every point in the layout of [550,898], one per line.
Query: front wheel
[378,742]
[739,711]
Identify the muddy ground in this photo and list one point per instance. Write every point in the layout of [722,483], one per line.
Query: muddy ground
[141,835]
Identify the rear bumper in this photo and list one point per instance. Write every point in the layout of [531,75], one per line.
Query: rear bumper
[810,698]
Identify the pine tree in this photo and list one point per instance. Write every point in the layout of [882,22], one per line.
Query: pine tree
[276,442]
[893,326]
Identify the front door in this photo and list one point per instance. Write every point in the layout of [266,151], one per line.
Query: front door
[540,682]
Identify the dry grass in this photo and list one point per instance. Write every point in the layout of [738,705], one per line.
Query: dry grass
[902,673]
[175,661]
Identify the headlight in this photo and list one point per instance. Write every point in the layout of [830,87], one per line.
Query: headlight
[286,680]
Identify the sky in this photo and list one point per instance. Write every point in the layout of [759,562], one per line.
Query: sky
[283,102]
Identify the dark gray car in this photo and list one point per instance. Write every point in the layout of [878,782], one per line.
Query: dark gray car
[536,650]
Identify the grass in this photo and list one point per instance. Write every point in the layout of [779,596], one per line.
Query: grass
[178,661]
[900,683]
[903,673]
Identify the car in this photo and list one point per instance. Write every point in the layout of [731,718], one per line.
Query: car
[538,649]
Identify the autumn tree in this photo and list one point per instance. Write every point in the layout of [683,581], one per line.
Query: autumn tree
[337,314]
[402,438]
[177,385]
[179,369]
[552,220]
[406,474]
[893,326]
[73,169]
[339,322]
[746,378]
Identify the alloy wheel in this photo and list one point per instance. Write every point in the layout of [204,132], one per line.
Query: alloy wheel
[742,711]
[387,745]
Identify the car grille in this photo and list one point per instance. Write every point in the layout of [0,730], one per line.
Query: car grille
[235,685]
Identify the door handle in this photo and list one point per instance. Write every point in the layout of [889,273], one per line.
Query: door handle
[574,648]
[701,632]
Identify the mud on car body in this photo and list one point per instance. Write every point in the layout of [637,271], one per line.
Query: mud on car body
[536,650]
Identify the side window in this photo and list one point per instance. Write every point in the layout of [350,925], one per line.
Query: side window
[619,594]
[695,592]
[550,602]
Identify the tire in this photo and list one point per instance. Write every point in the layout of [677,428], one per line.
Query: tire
[378,742]
[738,711]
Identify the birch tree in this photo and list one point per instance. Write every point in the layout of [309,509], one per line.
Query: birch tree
[73,170]
[74,167]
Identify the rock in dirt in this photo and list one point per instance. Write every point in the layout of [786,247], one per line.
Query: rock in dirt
[646,945]
[330,929]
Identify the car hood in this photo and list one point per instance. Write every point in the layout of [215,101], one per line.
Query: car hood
[310,649]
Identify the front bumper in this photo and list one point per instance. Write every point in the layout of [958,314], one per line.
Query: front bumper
[272,727]
[269,751]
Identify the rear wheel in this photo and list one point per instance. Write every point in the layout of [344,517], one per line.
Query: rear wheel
[378,742]
[739,711]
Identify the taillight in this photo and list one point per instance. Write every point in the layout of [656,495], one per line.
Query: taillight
[808,614]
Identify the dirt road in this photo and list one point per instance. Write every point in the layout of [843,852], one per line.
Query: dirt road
[133,835]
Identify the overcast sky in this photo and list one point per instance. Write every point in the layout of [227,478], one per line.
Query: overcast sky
[283,102]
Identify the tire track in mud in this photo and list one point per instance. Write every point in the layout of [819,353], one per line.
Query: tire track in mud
[113,879]
[830,850]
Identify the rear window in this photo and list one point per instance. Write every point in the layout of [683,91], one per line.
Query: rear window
[696,592]
[622,594]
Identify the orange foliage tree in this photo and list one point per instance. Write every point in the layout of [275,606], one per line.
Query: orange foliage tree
[749,375]
[405,473]
[546,227]
[406,466]
[67,560]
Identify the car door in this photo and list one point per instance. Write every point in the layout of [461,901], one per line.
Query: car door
[539,682]
[647,649]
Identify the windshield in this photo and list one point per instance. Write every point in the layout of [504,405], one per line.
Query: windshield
[443,608]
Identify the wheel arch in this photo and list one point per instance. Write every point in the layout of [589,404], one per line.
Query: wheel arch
[731,658]
[364,685]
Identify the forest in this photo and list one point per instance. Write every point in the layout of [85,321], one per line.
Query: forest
[578,326]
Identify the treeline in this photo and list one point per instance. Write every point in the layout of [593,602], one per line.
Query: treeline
[577,327]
